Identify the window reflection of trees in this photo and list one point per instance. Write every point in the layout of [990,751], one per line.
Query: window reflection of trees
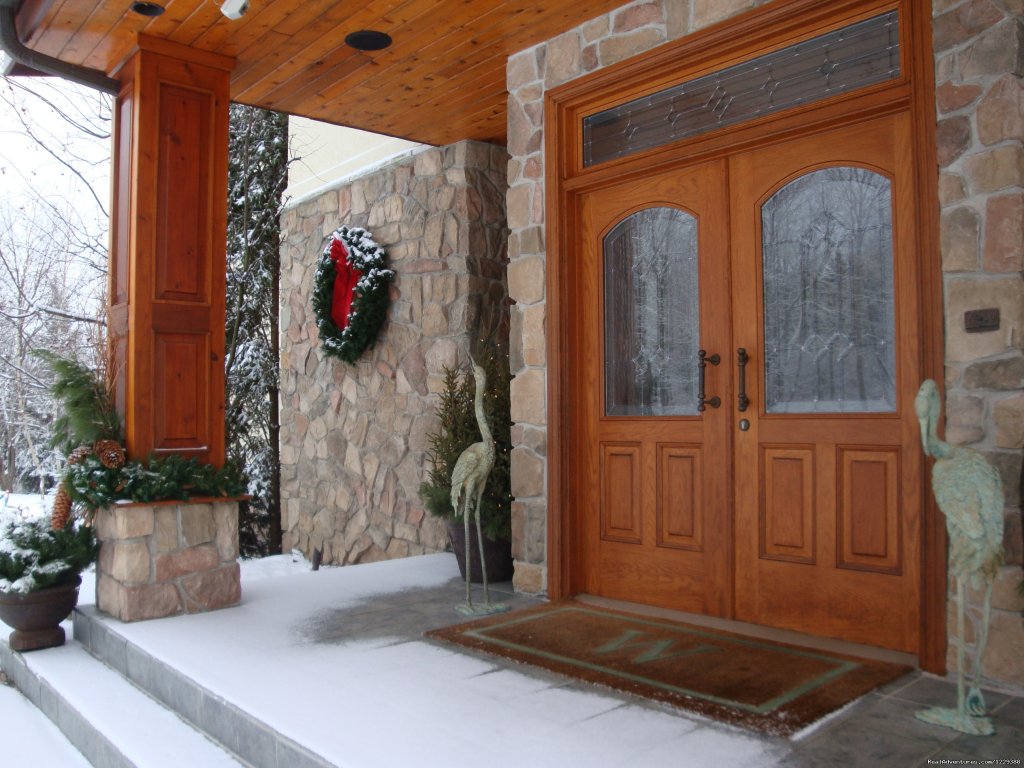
[829,311]
[652,328]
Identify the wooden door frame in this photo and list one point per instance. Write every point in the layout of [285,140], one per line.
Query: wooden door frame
[709,50]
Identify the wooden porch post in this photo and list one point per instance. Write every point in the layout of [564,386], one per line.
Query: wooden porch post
[167,263]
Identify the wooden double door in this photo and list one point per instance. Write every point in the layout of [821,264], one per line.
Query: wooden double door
[745,349]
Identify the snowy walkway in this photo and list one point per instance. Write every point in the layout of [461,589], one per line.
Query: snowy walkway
[335,662]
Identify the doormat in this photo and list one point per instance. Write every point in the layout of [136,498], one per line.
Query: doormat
[757,684]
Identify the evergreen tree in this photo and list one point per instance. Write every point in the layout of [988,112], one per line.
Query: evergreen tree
[257,176]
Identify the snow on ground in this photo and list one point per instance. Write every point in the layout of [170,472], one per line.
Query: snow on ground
[24,504]
[368,697]
[27,738]
[372,699]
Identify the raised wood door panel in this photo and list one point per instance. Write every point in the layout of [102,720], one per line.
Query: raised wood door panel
[828,489]
[652,484]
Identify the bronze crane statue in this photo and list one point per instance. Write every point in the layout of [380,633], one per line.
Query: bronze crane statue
[969,493]
[469,479]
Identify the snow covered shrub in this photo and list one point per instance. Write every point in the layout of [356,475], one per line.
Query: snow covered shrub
[33,556]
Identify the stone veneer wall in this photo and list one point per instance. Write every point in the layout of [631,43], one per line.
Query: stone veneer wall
[354,437]
[979,61]
[979,53]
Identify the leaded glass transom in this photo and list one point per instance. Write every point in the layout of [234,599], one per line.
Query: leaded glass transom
[829,308]
[651,314]
[856,56]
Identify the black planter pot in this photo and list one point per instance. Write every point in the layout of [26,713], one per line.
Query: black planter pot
[36,616]
[497,553]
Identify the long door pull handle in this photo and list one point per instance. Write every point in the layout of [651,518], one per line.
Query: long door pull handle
[703,358]
[742,358]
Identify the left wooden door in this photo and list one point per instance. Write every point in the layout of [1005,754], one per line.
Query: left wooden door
[651,465]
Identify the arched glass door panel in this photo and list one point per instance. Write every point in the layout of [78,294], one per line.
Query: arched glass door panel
[829,309]
[651,314]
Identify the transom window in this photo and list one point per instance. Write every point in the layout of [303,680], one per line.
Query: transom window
[843,60]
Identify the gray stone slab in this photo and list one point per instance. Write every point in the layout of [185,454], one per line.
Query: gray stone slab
[219,721]
[257,743]
[174,690]
[109,647]
[82,625]
[17,671]
[139,667]
[291,755]
[87,739]
[49,701]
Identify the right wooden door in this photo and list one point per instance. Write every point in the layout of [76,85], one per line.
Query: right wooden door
[827,481]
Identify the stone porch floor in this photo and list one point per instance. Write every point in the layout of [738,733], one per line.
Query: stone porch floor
[332,665]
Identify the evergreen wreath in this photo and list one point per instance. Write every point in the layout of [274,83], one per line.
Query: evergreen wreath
[350,322]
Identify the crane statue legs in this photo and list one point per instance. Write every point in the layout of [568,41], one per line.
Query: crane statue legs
[969,493]
[469,479]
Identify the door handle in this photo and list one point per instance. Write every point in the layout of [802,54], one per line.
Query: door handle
[742,358]
[703,358]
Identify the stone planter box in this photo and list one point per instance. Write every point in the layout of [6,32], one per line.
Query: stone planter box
[167,558]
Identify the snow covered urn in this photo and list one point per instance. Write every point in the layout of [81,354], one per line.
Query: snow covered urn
[40,569]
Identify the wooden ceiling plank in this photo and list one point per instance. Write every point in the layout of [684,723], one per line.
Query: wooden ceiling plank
[204,14]
[110,51]
[411,11]
[314,42]
[239,34]
[414,47]
[480,49]
[494,40]
[102,22]
[396,113]
[66,20]
[448,56]
[285,100]
[34,18]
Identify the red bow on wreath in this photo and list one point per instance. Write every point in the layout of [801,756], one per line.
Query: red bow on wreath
[344,284]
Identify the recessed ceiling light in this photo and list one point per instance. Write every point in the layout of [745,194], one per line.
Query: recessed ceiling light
[368,40]
[147,9]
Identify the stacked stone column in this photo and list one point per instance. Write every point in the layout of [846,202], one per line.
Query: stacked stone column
[167,558]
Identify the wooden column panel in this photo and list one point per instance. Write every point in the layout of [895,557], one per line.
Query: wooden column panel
[168,249]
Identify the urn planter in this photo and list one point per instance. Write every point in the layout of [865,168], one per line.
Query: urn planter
[36,616]
[497,553]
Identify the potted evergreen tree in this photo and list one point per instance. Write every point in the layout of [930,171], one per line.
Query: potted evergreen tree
[40,572]
[458,430]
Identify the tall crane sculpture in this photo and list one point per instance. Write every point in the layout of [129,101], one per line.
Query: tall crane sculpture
[469,479]
[969,493]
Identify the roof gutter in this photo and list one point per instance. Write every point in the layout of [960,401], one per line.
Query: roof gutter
[12,46]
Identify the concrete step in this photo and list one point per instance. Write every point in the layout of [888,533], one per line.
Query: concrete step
[238,731]
[110,721]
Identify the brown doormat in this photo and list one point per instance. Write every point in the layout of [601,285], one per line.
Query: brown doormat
[758,684]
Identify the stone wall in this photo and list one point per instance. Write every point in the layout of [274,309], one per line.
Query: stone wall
[354,437]
[978,62]
[167,558]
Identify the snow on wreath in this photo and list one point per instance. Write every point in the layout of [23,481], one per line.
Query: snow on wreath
[350,297]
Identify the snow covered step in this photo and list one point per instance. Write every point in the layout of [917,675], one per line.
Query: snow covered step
[238,731]
[109,720]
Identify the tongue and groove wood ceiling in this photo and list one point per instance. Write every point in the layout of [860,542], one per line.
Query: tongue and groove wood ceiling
[442,80]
